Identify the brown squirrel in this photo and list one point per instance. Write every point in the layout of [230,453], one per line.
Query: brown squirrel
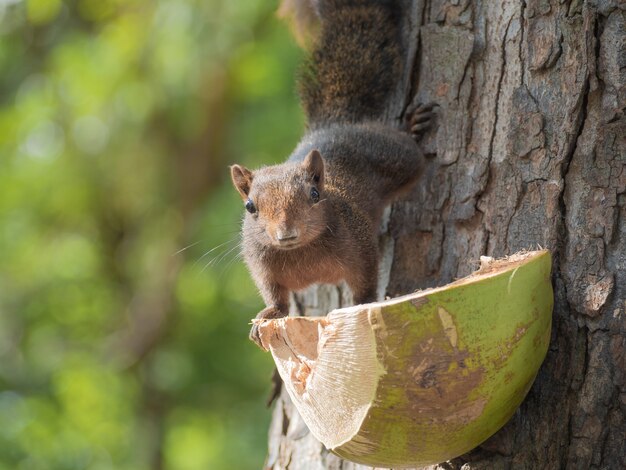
[315,218]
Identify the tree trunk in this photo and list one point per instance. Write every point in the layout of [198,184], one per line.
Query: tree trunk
[529,150]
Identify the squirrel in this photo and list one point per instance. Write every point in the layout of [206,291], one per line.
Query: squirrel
[315,218]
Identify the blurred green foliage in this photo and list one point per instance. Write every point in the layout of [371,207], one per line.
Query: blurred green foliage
[117,122]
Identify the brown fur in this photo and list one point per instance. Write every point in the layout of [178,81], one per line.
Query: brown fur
[355,63]
[300,15]
[356,165]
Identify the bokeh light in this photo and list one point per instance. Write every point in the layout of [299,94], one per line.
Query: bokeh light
[124,307]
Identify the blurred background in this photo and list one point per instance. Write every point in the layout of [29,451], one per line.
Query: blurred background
[124,309]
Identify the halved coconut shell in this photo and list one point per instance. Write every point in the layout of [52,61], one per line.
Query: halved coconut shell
[423,378]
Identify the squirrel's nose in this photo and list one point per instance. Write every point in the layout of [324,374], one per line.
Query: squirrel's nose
[287,234]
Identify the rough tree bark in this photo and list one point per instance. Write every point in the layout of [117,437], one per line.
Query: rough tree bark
[530,150]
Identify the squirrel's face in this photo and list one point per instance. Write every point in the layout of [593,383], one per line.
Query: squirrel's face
[285,203]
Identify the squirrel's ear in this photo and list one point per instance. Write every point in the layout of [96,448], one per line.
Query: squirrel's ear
[242,180]
[314,165]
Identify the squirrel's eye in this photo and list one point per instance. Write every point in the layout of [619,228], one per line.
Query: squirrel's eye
[250,207]
[315,195]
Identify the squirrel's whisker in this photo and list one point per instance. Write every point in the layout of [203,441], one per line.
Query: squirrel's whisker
[186,248]
[219,258]
[231,240]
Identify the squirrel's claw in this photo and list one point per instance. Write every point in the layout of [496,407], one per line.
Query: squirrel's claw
[419,118]
[255,337]
[417,107]
[266,314]
[420,128]
[422,117]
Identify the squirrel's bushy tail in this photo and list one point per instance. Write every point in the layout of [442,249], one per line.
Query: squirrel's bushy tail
[355,63]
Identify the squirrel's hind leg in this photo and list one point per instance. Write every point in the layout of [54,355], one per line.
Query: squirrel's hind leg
[419,118]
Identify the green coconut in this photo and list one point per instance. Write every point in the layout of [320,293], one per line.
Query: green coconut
[423,378]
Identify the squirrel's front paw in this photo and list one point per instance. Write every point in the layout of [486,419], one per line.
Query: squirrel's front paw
[419,118]
[266,314]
